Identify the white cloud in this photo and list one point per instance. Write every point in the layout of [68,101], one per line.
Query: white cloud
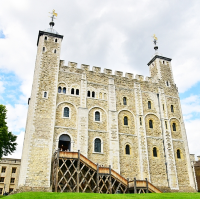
[18,152]
[16,117]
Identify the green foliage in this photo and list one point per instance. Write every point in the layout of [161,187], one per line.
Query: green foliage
[7,139]
[43,195]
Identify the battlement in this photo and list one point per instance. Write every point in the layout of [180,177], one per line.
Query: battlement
[84,68]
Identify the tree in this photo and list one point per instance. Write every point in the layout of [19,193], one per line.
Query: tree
[7,139]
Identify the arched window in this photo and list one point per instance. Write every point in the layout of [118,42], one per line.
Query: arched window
[45,94]
[178,154]
[45,38]
[127,149]
[151,124]
[125,120]
[64,143]
[155,153]
[59,89]
[55,51]
[93,94]
[88,93]
[97,145]
[97,116]
[174,126]
[64,90]
[66,112]
[72,91]
[166,124]
[124,101]
[140,121]
[77,91]
[43,49]
[56,40]
[149,105]
[172,108]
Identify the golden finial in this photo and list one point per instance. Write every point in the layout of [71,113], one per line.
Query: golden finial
[154,36]
[54,14]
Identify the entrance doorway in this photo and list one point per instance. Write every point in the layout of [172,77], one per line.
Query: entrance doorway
[64,143]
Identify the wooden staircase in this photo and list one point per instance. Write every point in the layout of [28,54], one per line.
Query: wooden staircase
[73,172]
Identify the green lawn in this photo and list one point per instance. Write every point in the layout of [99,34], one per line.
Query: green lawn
[42,195]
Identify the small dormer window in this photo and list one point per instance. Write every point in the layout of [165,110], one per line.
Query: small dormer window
[56,40]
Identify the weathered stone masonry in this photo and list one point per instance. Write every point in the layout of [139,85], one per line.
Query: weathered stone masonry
[85,92]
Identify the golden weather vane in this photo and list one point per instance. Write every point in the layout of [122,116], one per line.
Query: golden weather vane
[155,39]
[53,15]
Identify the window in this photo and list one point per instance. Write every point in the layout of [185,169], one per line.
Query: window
[45,38]
[10,190]
[149,105]
[59,89]
[97,116]
[2,179]
[178,154]
[55,51]
[14,170]
[97,145]
[3,170]
[163,107]
[140,121]
[151,124]
[1,190]
[77,91]
[45,94]
[66,112]
[172,108]
[124,101]
[12,180]
[166,124]
[64,90]
[125,120]
[93,94]
[127,149]
[56,40]
[167,83]
[155,154]
[174,126]
[72,91]
[43,49]
[163,62]
[88,93]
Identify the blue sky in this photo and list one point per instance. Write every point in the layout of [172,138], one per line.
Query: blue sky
[113,34]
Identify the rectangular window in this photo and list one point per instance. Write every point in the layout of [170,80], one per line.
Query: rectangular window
[1,190]
[3,170]
[14,170]
[10,190]
[2,179]
[12,180]
[163,107]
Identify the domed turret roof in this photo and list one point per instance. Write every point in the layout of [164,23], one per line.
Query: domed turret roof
[51,30]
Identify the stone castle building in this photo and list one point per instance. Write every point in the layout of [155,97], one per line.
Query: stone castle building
[131,123]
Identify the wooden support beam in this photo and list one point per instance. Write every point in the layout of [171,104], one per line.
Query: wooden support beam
[135,188]
[128,186]
[57,166]
[78,171]
[147,186]
[110,180]
[97,178]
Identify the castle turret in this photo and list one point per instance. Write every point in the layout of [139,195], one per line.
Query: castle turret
[37,150]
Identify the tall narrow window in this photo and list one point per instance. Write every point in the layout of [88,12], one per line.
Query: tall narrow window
[66,112]
[124,101]
[151,124]
[167,83]
[45,38]
[88,93]
[72,91]
[166,124]
[127,149]
[125,120]
[43,49]
[178,154]
[155,153]
[163,107]
[149,105]
[45,94]
[97,145]
[55,51]
[174,126]
[172,108]
[140,121]
[56,40]
[77,91]
[93,94]
[97,116]
[64,90]
[59,89]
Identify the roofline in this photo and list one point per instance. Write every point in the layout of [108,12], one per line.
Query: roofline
[158,56]
[49,34]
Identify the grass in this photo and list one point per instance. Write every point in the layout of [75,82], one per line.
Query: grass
[44,195]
